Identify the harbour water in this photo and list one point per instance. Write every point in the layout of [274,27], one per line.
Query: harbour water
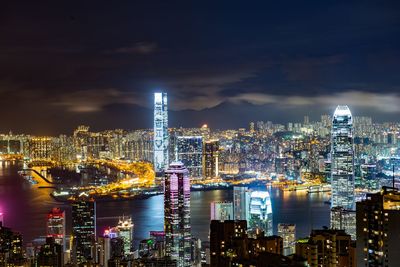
[25,207]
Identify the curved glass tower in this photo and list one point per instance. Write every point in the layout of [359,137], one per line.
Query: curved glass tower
[342,154]
[261,212]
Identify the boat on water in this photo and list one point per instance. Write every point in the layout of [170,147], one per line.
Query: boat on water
[26,175]
[319,188]
[30,179]
[297,188]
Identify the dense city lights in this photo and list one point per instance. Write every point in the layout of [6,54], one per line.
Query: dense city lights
[200,134]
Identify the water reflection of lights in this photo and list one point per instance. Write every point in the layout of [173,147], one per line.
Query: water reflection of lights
[290,194]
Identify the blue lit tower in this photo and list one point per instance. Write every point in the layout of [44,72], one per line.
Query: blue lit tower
[160,132]
[342,155]
[177,214]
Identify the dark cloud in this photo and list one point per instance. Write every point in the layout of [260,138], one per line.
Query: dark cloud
[71,62]
[308,68]
[137,48]
[93,100]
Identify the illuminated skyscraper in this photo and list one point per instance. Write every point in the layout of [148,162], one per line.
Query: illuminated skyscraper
[261,212]
[125,231]
[189,150]
[160,132]
[342,171]
[56,226]
[221,211]
[210,158]
[378,231]
[241,203]
[177,214]
[342,155]
[83,230]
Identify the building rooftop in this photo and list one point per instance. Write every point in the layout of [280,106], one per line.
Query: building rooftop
[342,111]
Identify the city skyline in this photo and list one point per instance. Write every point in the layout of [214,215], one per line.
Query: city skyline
[200,134]
[293,157]
[299,119]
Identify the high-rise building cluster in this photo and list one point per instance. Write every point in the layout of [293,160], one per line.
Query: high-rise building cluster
[327,247]
[246,222]
[296,151]
[230,244]
[353,158]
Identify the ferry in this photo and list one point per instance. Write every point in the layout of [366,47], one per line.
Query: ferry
[297,188]
[319,188]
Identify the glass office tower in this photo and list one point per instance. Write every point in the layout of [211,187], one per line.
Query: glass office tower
[342,155]
[342,172]
[83,230]
[177,214]
[261,212]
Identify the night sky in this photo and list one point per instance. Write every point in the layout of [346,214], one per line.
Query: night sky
[64,63]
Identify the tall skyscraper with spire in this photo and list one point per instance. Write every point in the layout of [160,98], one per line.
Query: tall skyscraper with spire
[177,214]
[342,172]
[161,160]
[342,155]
